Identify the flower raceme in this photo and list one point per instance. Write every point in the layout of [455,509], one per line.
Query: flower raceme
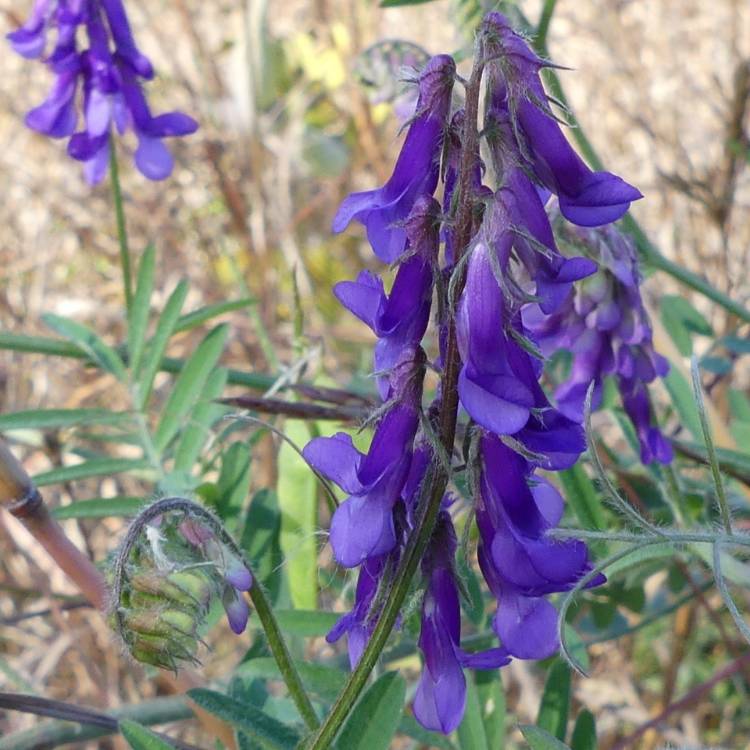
[513,296]
[100,85]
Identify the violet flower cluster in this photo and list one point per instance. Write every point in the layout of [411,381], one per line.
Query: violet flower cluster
[511,430]
[98,83]
[605,326]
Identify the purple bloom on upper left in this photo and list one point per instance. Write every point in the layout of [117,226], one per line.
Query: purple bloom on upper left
[384,210]
[98,84]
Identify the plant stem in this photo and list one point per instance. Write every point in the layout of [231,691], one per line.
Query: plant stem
[721,495]
[56,733]
[436,479]
[22,499]
[122,233]
[265,614]
[542,28]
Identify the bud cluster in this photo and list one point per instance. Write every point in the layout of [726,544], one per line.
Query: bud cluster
[173,565]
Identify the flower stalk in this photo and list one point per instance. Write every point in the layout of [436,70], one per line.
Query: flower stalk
[437,478]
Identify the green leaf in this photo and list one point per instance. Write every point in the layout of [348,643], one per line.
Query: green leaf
[319,679]
[739,405]
[21,342]
[139,309]
[89,343]
[555,705]
[205,414]
[584,732]
[157,346]
[140,738]
[735,344]
[682,398]
[48,419]
[412,728]
[234,479]
[681,319]
[298,500]
[492,704]
[306,623]
[374,720]
[399,3]
[188,386]
[716,365]
[538,739]
[471,734]
[248,718]
[101,507]
[204,314]
[260,541]
[95,467]
[582,496]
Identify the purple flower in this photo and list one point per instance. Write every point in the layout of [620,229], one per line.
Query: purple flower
[108,80]
[383,210]
[237,578]
[440,699]
[490,391]
[362,526]
[520,563]
[400,318]
[586,198]
[605,326]
[360,621]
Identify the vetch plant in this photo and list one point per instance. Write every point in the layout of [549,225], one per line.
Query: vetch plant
[504,254]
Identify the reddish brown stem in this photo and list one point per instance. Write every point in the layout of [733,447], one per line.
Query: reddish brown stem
[22,499]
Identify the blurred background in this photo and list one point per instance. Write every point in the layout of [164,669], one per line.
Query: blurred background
[295,108]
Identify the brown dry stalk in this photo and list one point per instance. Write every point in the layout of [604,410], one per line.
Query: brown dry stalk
[20,497]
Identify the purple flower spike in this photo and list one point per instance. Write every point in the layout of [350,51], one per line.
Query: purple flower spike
[383,210]
[586,198]
[108,73]
[605,326]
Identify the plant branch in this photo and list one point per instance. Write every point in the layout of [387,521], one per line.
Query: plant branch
[22,499]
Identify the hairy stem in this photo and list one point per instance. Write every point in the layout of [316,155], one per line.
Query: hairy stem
[122,233]
[437,477]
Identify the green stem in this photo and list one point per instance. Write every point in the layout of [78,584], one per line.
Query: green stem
[542,28]
[436,478]
[265,614]
[58,348]
[721,495]
[122,233]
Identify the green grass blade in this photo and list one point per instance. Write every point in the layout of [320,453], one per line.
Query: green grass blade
[139,310]
[89,343]
[204,415]
[471,734]
[190,382]
[101,507]
[555,705]
[140,738]
[204,314]
[95,467]
[144,379]
[50,419]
